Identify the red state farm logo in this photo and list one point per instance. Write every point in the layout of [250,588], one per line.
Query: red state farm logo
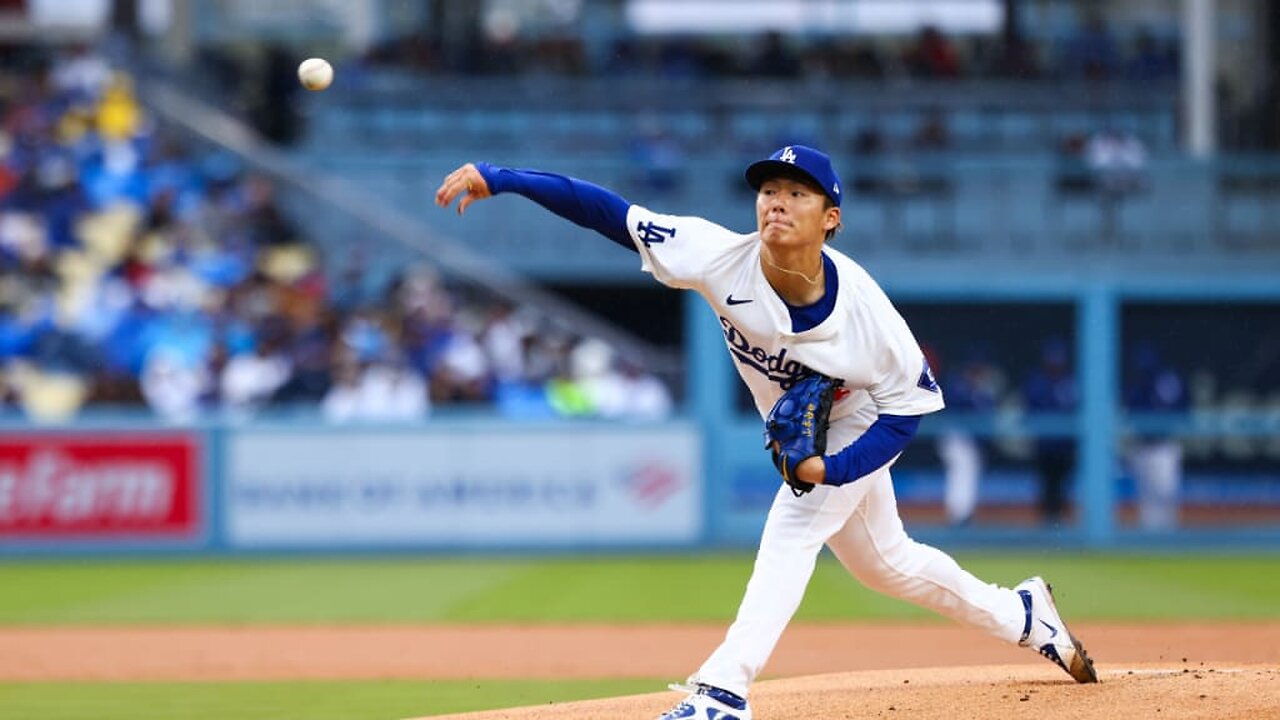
[97,488]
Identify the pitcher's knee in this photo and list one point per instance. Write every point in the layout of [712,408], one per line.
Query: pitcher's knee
[884,569]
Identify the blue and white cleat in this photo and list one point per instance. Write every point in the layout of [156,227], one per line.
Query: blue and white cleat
[708,703]
[1045,632]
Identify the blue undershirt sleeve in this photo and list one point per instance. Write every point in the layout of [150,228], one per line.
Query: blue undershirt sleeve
[886,437]
[578,201]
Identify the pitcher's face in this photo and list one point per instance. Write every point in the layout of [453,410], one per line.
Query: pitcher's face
[791,212]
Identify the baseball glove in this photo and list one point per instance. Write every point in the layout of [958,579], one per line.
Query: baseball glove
[796,428]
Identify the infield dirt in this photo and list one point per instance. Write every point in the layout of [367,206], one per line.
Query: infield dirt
[820,671]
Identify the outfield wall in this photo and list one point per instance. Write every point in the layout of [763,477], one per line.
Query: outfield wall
[307,487]
[467,485]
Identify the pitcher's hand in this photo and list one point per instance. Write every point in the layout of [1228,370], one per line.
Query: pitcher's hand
[466,179]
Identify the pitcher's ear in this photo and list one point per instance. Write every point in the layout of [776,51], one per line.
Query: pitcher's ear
[832,220]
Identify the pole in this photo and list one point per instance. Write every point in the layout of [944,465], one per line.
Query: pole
[1198,73]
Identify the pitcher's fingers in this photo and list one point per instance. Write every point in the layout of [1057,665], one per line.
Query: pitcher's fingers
[450,186]
[449,190]
[466,201]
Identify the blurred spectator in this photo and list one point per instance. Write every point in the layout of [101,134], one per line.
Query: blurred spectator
[82,75]
[1118,161]
[463,374]
[382,391]
[1154,458]
[647,397]
[1051,388]
[119,116]
[174,384]
[773,58]
[252,378]
[503,340]
[8,393]
[125,22]
[591,368]
[568,390]
[51,396]
[560,55]
[415,51]
[502,44]
[932,55]
[1019,59]
[1091,52]
[216,361]
[526,396]
[658,159]
[1151,60]
[313,358]
[869,140]
[856,59]
[869,146]
[974,388]
[617,388]
[1073,174]
[931,133]
[264,222]
[342,399]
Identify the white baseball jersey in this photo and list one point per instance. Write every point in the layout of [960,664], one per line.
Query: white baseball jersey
[864,341]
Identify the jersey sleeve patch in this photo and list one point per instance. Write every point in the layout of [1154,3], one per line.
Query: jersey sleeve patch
[927,381]
[650,232]
[680,251]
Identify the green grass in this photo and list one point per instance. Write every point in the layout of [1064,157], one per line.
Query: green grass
[380,700]
[703,588]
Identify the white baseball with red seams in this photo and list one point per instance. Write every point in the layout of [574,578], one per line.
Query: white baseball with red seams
[315,73]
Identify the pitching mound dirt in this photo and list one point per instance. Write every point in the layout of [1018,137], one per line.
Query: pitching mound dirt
[1167,692]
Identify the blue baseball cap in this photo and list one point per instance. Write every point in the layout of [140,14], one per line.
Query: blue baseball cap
[793,159]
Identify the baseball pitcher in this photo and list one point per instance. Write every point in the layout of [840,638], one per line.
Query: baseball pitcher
[842,385]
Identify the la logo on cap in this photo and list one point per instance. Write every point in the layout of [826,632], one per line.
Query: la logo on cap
[788,155]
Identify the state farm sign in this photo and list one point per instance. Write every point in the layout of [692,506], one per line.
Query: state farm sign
[105,484]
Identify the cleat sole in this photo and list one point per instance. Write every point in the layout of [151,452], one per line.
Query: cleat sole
[1081,665]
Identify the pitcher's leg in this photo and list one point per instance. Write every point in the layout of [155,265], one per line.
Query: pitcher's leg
[793,534]
[875,548]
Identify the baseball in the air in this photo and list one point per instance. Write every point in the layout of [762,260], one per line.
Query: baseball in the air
[315,73]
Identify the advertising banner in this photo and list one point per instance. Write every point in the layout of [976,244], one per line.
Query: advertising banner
[589,485]
[88,485]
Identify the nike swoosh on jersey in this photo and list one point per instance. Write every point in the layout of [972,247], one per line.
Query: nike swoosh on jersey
[1053,630]
[731,301]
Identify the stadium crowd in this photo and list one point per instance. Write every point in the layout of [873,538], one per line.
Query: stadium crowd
[1092,51]
[137,272]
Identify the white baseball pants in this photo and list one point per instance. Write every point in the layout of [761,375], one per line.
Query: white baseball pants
[860,523]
